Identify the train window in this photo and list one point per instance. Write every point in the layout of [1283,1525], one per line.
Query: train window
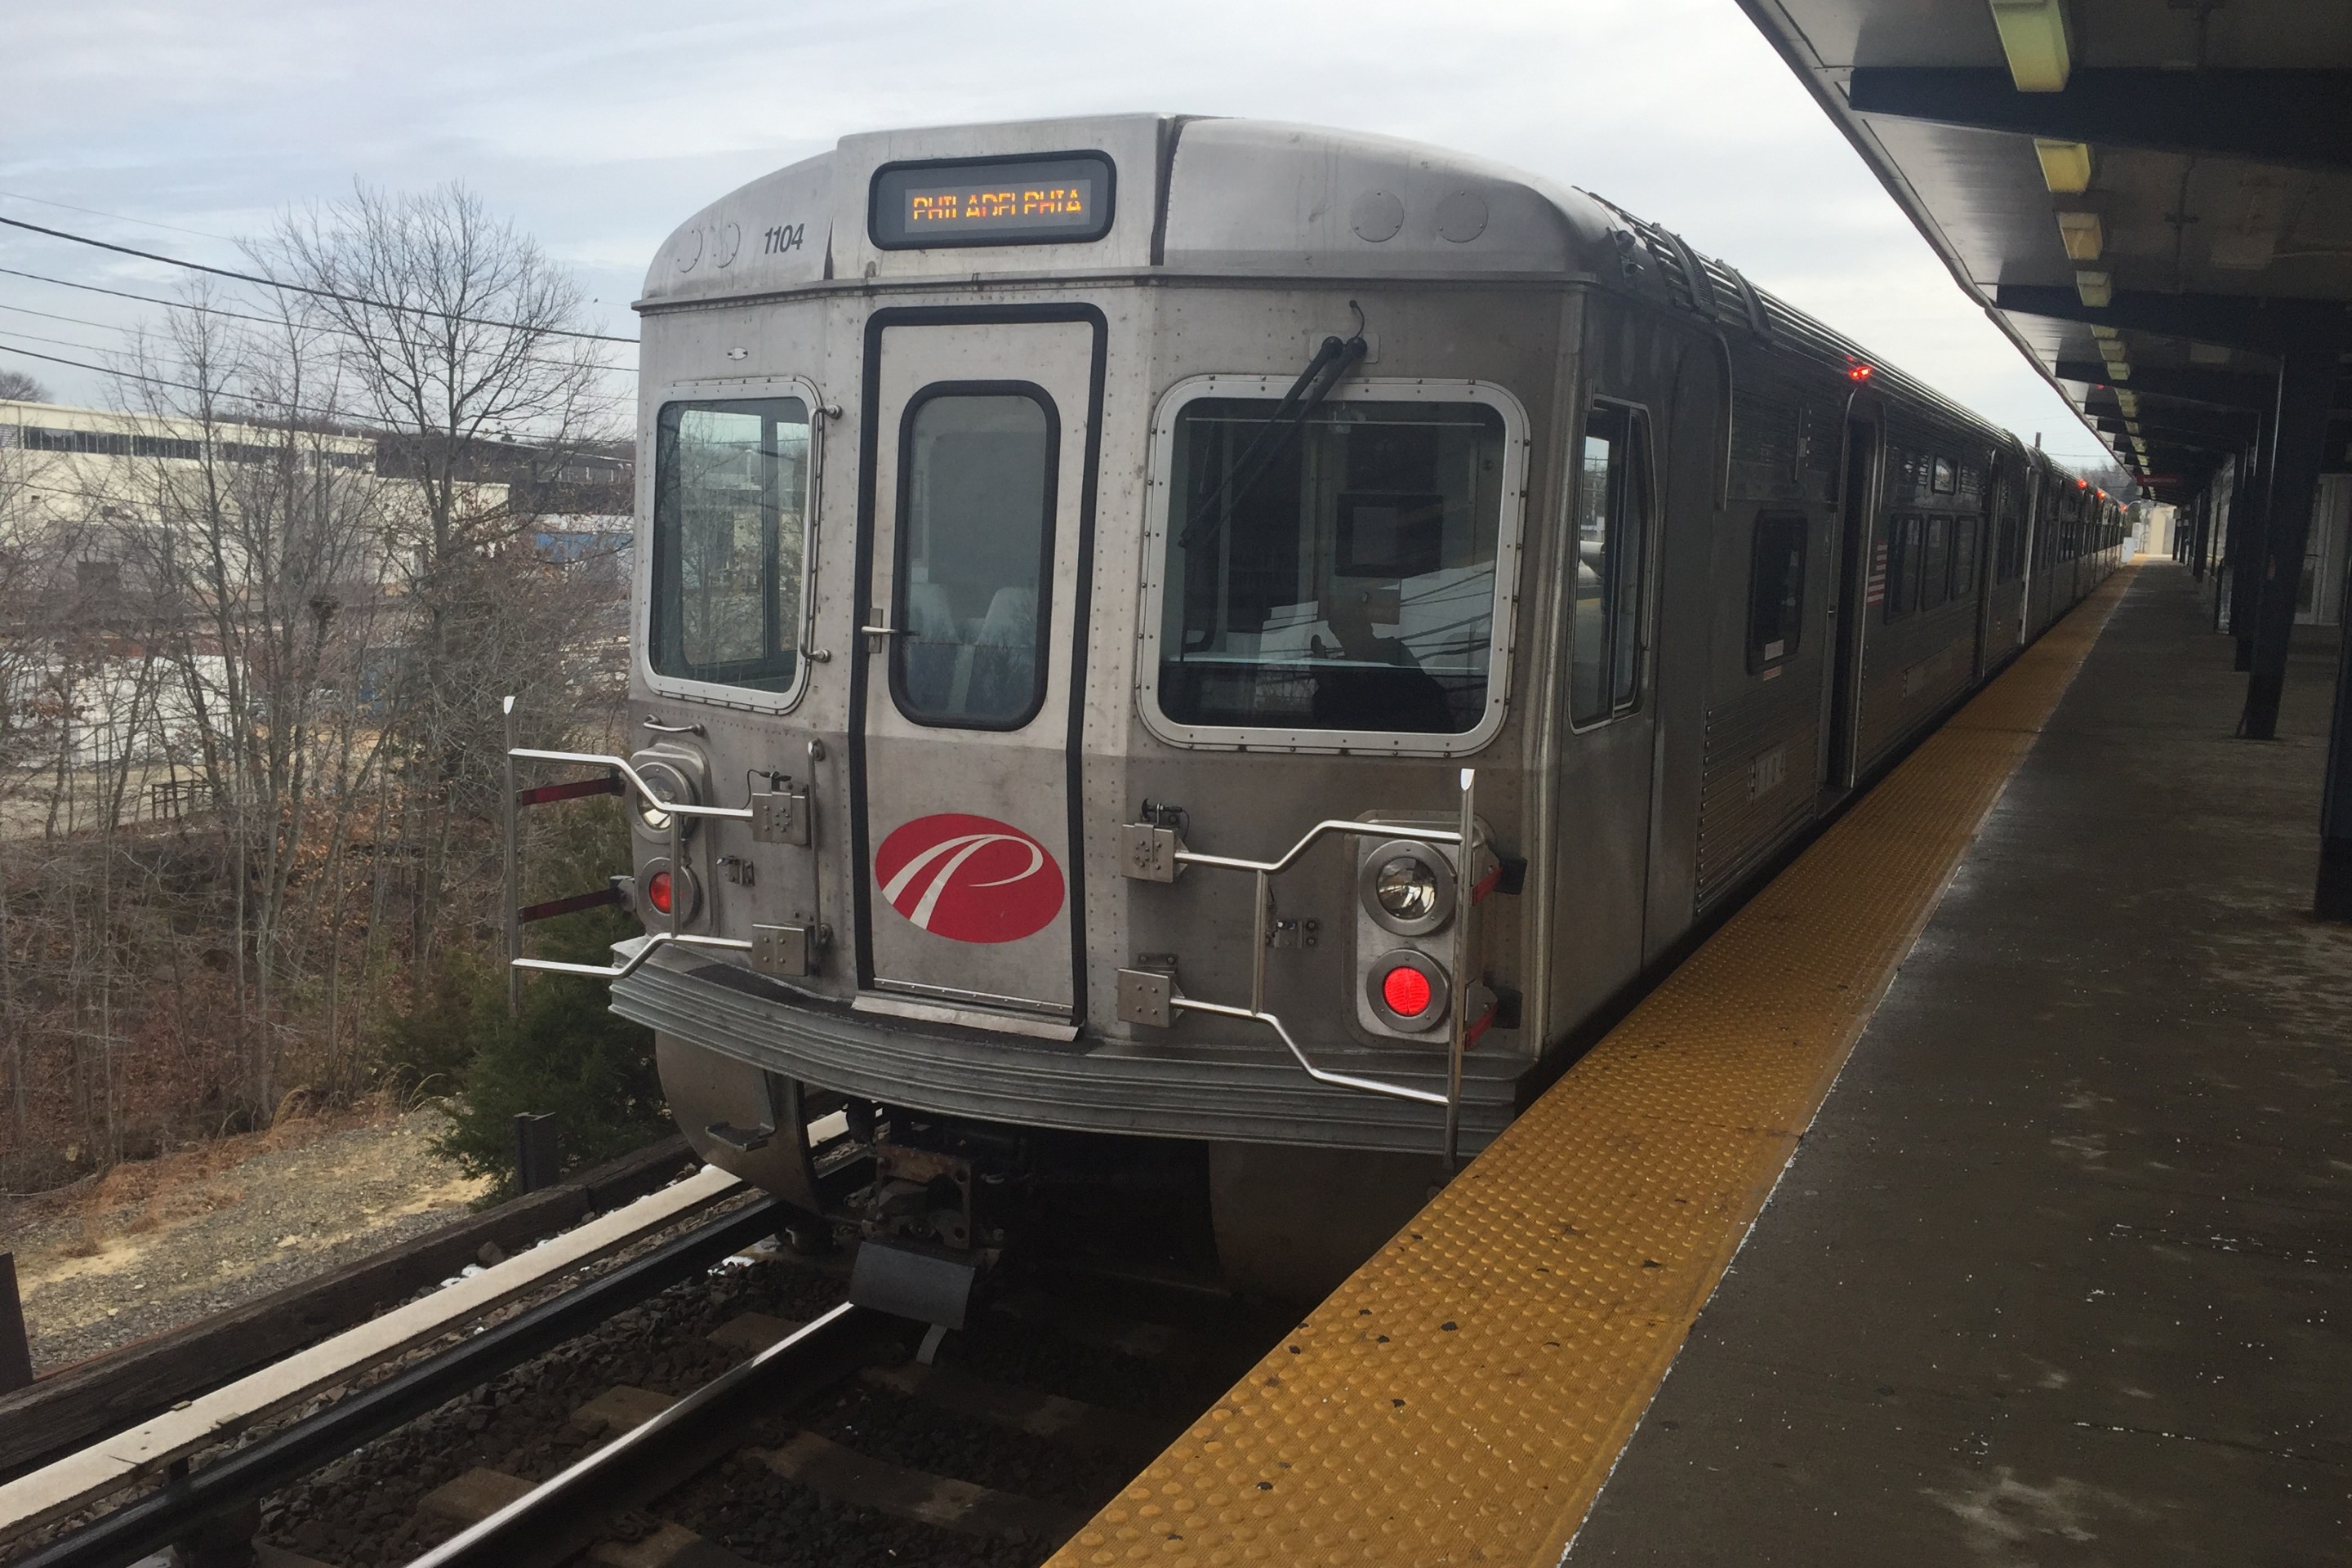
[1776,589]
[1946,476]
[1606,595]
[1345,579]
[975,540]
[730,492]
[1935,560]
[1964,556]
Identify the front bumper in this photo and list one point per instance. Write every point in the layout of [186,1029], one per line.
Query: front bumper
[1241,1093]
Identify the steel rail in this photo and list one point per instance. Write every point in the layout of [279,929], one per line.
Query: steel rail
[562,1514]
[176,1508]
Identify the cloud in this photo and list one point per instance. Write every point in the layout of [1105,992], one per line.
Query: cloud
[601,125]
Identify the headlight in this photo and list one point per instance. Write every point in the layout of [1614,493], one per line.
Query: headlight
[1407,887]
[664,783]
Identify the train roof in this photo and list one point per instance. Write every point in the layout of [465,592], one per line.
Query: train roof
[1218,197]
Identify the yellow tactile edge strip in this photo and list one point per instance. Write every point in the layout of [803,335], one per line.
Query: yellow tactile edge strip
[1463,1396]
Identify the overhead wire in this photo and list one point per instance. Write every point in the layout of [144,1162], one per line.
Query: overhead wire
[267,282]
[268,406]
[200,309]
[221,393]
[119,217]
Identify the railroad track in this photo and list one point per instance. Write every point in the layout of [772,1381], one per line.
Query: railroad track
[712,1402]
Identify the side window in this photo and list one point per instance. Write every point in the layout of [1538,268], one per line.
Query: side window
[1776,589]
[975,539]
[1613,509]
[1901,565]
[1935,560]
[1964,556]
[730,497]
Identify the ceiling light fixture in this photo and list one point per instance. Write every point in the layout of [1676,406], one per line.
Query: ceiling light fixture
[2065,165]
[2033,37]
[2080,234]
[2096,288]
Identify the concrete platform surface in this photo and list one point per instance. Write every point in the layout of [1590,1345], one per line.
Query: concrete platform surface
[2061,1275]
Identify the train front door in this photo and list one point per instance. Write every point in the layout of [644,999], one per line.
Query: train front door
[975,505]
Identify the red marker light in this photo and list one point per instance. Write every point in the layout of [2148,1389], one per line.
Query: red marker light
[1858,373]
[658,891]
[1406,992]
[2082,484]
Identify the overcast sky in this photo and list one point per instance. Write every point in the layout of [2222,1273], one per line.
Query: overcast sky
[599,126]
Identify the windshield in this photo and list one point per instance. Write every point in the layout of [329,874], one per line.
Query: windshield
[1353,587]
[729,501]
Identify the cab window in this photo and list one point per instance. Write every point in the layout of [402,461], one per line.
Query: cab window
[1338,576]
[731,496]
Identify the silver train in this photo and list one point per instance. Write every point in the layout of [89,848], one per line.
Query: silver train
[1188,666]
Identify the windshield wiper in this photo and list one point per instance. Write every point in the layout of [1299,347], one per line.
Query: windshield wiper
[1332,360]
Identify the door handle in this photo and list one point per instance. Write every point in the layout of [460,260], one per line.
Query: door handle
[658,728]
[883,631]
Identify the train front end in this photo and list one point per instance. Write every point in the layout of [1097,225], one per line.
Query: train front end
[1080,754]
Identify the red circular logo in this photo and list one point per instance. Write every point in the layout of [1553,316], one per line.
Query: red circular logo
[969,879]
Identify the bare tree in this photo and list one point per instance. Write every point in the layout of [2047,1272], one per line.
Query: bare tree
[465,345]
[15,387]
[249,677]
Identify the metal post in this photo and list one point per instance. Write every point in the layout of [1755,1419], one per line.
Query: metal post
[537,1163]
[1464,880]
[2306,387]
[514,874]
[678,882]
[15,1346]
[2249,527]
[1259,883]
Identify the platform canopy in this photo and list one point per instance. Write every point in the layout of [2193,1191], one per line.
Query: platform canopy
[2153,197]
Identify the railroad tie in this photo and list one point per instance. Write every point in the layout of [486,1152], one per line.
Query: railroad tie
[847,1476]
[752,1333]
[1022,1409]
[479,1493]
[621,1409]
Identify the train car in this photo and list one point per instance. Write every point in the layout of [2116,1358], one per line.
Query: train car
[1181,664]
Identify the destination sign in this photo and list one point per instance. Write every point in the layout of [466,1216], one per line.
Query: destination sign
[1033,201]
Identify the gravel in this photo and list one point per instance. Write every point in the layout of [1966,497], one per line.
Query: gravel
[158,1244]
[363,1509]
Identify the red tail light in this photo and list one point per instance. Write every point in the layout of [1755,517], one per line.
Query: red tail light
[658,891]
[1406,991]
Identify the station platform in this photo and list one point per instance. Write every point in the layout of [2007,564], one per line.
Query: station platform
[2042,1065]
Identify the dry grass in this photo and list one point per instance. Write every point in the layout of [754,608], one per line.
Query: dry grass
[140,1197]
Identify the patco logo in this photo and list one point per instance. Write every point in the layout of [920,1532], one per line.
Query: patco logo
[969,879]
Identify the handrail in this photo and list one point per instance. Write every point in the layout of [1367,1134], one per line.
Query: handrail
[733,813]
[636,960]
[676,811]
[1465,836]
